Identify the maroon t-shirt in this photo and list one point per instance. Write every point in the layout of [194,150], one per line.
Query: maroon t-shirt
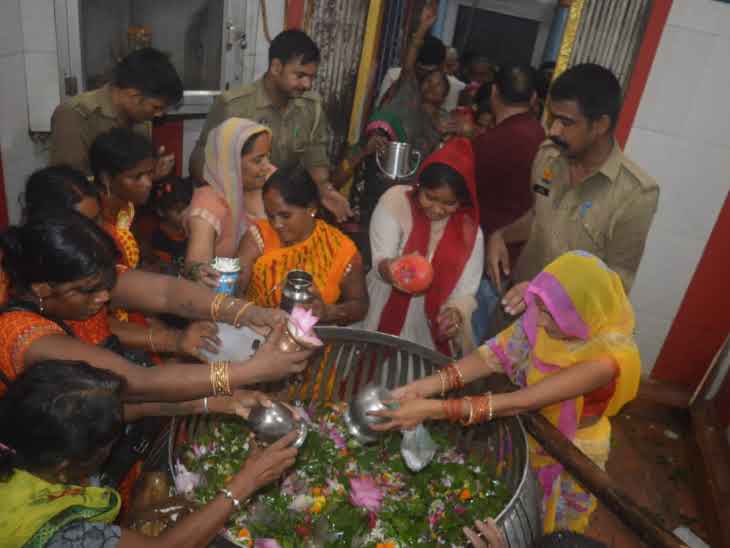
[503,161]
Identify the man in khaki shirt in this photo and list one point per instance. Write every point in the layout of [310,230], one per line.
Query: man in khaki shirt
[145,84]
[282,100]
[588,195]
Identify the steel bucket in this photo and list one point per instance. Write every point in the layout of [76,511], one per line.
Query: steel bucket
[398,160]
[358,357]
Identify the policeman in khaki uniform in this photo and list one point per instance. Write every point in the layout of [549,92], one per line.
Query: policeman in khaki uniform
[145,84]
[588,195]
[282,100]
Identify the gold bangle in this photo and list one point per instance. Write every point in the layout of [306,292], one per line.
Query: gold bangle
[149,340]
[240,312]
[461,377]
[215,305]
[220,378]
[490,413]
[230,305]
[471,412]
[443,382]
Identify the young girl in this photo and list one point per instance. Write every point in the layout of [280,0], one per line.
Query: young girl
[170,197]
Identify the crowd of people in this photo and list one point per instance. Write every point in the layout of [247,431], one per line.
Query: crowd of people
[534,227]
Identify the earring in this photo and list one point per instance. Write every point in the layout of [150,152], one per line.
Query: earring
[40,305]
[314,214]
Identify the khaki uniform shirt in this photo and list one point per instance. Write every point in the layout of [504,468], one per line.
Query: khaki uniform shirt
[607,214]
[299,131]
[78,121]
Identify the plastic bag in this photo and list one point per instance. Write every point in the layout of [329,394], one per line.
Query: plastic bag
[236,344]
[417,448]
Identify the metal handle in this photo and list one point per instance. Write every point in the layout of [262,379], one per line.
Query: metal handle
[417,154]
[380,166]
[235,34]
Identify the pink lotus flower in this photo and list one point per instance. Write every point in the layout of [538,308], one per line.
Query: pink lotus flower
[434,518]
[301,324]
[266,543]
[364,492]
[338,439]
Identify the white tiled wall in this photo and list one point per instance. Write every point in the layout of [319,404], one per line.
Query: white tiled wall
[681,136]
[20,155]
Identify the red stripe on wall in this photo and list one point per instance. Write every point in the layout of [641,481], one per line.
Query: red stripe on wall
[642,66]
[170,135]
[294,14]
[703,320]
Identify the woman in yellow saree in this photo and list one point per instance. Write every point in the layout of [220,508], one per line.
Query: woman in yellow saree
[293,238]
[575,359]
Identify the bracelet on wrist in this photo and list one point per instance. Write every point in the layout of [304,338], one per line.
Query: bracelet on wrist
[227,493]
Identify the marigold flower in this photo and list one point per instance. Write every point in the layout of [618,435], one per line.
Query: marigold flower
[318,504]
[465,494]
[244,534]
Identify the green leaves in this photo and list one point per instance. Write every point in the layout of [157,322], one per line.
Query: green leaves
[418,509]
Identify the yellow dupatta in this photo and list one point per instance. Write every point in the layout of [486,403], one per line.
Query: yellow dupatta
[588,302]
[325,254]
[35,510]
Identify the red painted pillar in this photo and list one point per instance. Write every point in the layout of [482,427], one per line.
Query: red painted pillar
[294,14]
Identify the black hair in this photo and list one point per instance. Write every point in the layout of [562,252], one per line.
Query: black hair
[58,411]
[56,187]
[295,185]
[544,77]
[437,175]
[432,52]
[471,57]
[483,94]
[444,80]
[515,83]
[118,150]
[567,539]
[595,88]
[293,45]
[150,72]
[56,248]
[251,142]
[172,192]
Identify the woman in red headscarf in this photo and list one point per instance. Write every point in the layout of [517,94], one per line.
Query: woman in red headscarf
[438,220]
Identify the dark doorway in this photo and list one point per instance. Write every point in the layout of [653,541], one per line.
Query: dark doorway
[502,38]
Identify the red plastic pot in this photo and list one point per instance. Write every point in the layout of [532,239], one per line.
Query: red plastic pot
[412,273]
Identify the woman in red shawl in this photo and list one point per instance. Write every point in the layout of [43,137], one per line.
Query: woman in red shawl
[439,220]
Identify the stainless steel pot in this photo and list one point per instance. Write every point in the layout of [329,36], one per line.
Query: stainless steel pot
[398,160]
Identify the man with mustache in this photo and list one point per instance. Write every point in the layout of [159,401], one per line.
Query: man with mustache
[588,195]
[282,100]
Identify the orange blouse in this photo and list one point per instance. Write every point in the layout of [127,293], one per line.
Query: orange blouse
[326,254]
[20,329]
